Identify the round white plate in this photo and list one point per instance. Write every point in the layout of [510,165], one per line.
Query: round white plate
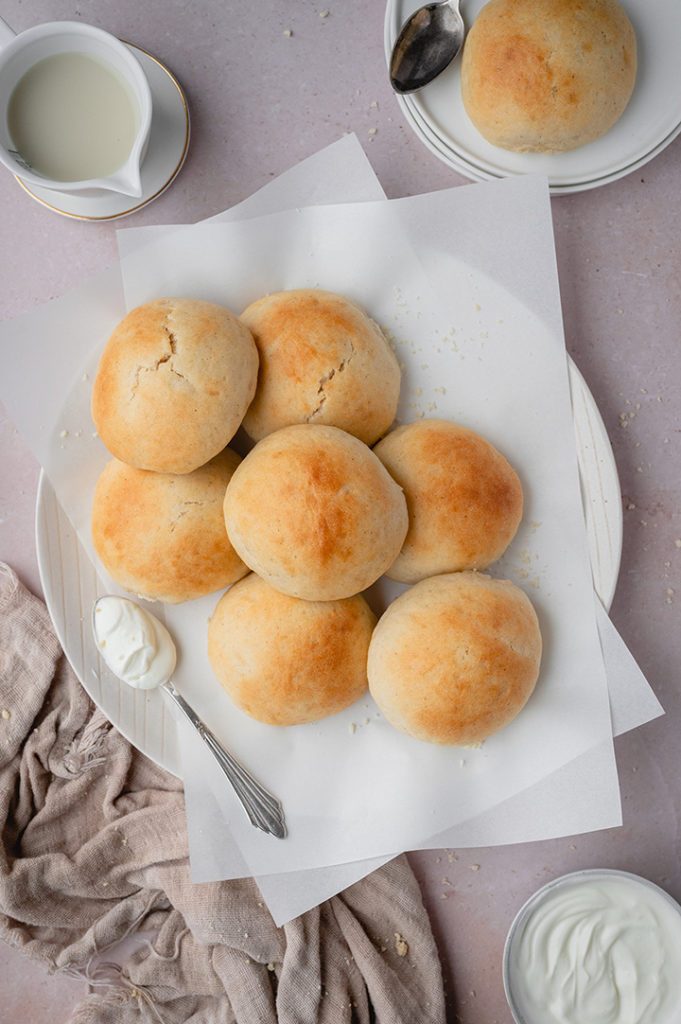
[651,121]
[166,152]
[70,583]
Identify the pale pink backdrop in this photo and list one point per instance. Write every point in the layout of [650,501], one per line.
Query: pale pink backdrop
[261,100]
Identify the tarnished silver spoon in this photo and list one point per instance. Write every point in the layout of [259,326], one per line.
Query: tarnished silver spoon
[139,650]
[428,42]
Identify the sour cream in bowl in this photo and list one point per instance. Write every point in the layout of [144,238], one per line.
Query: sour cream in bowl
[595,947]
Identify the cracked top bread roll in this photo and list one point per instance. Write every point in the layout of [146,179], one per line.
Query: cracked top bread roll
[465,500]
[455,658]
[284,661]
[162,536]
[314,512]
[323,360]
[173,384]
[543,76]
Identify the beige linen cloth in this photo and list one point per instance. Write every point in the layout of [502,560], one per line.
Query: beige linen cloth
[94,849]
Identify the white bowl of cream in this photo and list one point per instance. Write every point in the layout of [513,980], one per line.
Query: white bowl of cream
[595,947]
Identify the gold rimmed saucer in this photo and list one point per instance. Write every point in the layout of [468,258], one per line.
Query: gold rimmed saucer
[166,152]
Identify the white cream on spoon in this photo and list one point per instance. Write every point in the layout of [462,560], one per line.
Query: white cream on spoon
[140,651]
[136,646]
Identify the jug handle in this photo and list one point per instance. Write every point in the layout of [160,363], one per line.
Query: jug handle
[6,34]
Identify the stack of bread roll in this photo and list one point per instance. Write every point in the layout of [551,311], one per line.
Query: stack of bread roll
[327,500]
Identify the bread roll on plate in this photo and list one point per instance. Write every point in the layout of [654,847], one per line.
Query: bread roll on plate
[548,76]
[323,360]
[313,511]
[465,500]
[285,661]
[455,658]
[173,384]
[162,536]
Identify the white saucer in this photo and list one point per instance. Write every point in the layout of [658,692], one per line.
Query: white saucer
[166,152]
[651,121]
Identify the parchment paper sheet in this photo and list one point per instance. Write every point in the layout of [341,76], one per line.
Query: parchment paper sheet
[475,318]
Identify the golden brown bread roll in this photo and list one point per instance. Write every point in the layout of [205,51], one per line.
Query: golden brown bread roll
[455,658]
[285,661]
[465,501]
[314,512]
[161,535]
[173,383]
[323,360]
[547,75]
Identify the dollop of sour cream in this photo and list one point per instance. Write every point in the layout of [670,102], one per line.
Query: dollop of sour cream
[135,645]
[604,949]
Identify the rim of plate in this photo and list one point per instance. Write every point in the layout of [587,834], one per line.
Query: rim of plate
[440,148]
[477,168]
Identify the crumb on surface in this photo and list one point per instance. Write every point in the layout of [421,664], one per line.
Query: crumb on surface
[401,946]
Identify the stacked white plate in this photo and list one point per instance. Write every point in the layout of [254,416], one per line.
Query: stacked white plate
[651,121]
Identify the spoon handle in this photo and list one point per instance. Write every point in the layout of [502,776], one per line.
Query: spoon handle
[263,809]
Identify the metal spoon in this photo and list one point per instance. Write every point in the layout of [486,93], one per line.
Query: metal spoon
[428,42]
[145,634]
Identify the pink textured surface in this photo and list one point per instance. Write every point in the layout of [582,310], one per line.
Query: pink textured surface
[261,101]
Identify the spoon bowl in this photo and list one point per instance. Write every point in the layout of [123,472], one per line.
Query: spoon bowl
[140,652]
[428,42]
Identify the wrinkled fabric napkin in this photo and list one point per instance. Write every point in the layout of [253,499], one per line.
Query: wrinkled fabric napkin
[94,850]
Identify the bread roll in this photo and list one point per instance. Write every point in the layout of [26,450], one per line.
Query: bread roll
[455,658]
[314,512]
[323,360]
[548,75]
[162,536]
[285,661]
[173,383]
[465,501]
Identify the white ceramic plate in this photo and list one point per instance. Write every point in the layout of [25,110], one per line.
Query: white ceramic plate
[651,121]
[166,152]
[71,585]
